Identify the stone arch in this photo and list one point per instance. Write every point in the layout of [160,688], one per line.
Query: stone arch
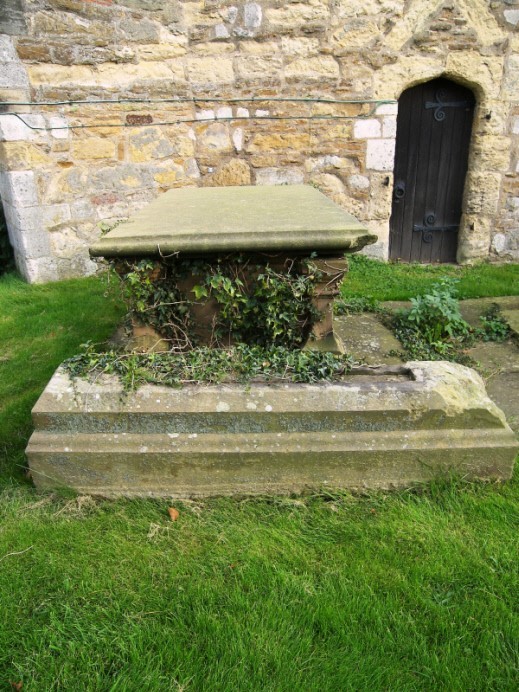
[488,154]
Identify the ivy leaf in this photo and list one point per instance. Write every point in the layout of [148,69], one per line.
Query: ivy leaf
[200,291]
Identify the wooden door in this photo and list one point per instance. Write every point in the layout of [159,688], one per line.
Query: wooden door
[432,143]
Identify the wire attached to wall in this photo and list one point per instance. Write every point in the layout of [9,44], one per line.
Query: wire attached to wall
[374,103]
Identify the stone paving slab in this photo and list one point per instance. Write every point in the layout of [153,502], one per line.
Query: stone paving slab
[367,339]
[498,365]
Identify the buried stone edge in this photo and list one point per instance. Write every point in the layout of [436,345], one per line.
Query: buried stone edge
[391,428]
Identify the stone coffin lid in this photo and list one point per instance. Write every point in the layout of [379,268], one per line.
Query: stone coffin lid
[198,221]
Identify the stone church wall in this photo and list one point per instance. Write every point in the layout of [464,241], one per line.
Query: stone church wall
[104,104]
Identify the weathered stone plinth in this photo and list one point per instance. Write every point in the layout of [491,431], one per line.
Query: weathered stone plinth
[383,430]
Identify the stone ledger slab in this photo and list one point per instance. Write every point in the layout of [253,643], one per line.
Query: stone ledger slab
[391,428]
[197,221]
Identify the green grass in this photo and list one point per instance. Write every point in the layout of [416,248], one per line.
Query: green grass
[400,591]
[40,326]
[383,281]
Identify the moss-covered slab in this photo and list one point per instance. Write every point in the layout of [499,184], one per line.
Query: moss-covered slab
[212,220]
[391,428]
[367,339]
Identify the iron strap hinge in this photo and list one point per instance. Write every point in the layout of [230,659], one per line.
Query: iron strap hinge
[419,228]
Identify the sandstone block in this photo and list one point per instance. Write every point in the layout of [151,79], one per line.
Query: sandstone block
[171,176]
[263,160]
[208,72]
[263,49]
[312,69]
[484,71]
[54,215]
[33,51]
[251,68]
[391,80]
[65,243]
[125,76]
[330,185]
[114,179]
[313,16]
[299,47]
[22,156]
[18,188]
[482,192]
[354,35]
[235,172]
[491,153]
[66,184]
[93,148]
[279,176]
[265,142]
[211,49]
[149,144]
[162,51]
[58,75]
[140,31]
[381,197]
[475,235]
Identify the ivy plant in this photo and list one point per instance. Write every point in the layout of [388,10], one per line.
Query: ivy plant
[257,303]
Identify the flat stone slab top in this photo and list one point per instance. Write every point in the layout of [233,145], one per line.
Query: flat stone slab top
[389,428]
[212,220]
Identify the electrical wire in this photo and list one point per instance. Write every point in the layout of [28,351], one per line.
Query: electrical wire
[194,100]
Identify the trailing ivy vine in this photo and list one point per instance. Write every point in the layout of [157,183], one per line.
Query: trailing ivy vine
[241,363]
[257,303]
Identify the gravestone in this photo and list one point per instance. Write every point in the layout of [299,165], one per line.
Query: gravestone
[274,226]
[376,428]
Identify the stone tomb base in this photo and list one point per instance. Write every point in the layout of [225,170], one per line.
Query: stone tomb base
[390,428]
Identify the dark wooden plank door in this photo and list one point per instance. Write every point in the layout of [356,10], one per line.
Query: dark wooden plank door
[434,126]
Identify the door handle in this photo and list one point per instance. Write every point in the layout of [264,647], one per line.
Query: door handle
[399,190]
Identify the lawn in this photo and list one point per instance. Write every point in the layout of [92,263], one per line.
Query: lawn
[412,590]
[384,281]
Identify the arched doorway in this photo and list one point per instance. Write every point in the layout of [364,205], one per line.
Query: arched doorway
[434,127]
